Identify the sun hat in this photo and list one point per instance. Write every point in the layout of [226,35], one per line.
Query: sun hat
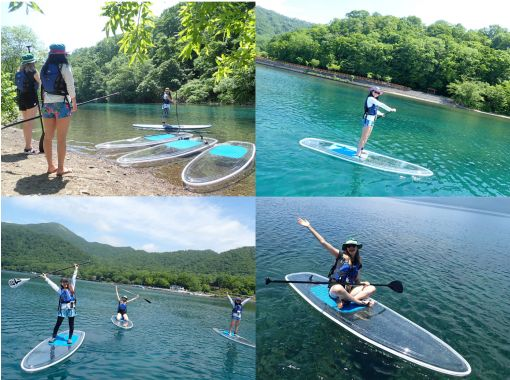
[27,58]
[351,242]
[375,89]
[58,49]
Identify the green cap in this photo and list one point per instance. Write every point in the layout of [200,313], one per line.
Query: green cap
[27,58]
[351,242]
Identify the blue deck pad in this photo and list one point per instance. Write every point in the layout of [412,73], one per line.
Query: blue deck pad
[342,150]
[322,293]
[159,137]
[230,151]
[61,340]
[183,144]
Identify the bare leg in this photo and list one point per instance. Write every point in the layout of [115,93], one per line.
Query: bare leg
[49,133]
[342,294]
[119,316]
[365,134]
[363,292]
[27,126]
[231,326]
[238,322]
[62,126]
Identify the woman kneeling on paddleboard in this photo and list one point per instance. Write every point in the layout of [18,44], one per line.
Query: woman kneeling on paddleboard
[122,307]
[66,303]
[237,309]
[345,272]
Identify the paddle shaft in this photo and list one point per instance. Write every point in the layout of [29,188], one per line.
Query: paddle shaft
[60,270]
[394,285]
[127,291]
[77,105]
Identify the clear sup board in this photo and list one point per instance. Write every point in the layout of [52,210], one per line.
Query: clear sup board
[46,354]
[123,324]
[369,159]
[171,127]
[234,338]
[141,142]
[163,153]
[219,166]
[384,328]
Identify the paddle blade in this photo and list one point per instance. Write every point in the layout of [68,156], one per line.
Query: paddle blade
[268,280]
[15,282]
[396,286]
[146,300]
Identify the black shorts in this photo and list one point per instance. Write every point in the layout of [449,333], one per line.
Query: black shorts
[27,101]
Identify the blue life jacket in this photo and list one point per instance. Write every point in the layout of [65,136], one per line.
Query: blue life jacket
[345,273]
[66,296]
[237,310]
[370,110]
[167,100]
[26,83]
[122,307]
[52,80]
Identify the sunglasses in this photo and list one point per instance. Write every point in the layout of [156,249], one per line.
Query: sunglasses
[351,245]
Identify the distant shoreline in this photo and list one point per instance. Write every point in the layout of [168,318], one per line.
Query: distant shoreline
[149,288]
[388,88]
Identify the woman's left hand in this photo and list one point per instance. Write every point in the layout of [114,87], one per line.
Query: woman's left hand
[365,283]
[76,266]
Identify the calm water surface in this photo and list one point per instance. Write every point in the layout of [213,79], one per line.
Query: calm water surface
[452,258]
[468,152]
[172,337]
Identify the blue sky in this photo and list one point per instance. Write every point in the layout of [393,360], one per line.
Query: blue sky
[154,224]
[471,14]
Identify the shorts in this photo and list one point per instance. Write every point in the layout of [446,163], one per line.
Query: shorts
[236,318]
[56,110]
[69,313]
[27,101]
[368,122]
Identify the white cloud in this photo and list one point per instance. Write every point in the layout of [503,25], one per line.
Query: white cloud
[164,223]
[150,247]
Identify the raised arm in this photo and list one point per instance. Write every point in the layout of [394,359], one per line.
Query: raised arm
[50,283]
[246,301]
[305,223]
[231,301]
[132,299]
[75,274]
[381,104]
[117,292]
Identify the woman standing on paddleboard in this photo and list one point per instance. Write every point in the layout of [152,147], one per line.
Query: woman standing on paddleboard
[345,272]
[27,84]
[372,105]
[237,309]
[167,101]
[66,302]
[122,307]
[59,102]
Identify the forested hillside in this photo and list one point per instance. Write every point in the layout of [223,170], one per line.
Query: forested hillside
[472,66]
[49,246]
[270,23]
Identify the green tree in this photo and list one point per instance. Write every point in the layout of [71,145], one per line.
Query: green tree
[9,107]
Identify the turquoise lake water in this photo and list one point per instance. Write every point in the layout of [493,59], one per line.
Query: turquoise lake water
[172,337]
[451,254]
[468,152]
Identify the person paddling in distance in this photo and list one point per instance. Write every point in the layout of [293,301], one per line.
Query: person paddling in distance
[122,306]
[237,309]
[345,272]
[372,105]
[27,84]
[59,102]
[66,302]
[167,101]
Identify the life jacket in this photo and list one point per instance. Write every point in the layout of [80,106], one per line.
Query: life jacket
[25,82]
[345,273]
[370,110]
[237,310]
[52,80]
[66,296]
[122,307]
[166,100]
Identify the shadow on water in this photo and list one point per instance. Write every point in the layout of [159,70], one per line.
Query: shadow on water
[230,358]
[40,184]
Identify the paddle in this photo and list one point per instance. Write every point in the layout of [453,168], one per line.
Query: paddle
[396,286]
[41,140]
[127,291]
[15,282]
[77,105]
